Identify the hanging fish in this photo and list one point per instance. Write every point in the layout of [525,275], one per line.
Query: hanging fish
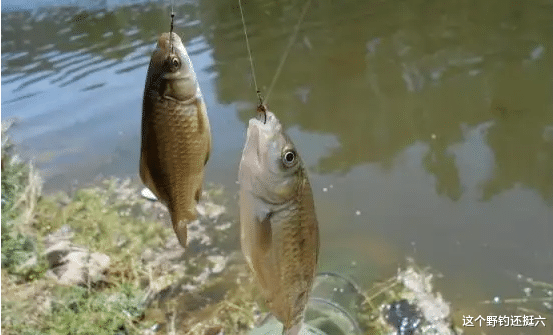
[279,230]
[176,136]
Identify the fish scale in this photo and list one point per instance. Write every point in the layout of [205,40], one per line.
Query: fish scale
[297,271]
[176,136]
[279,229]
[186,152]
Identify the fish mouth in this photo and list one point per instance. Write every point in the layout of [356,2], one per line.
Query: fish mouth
[265,120]
[262,130]
[262,113]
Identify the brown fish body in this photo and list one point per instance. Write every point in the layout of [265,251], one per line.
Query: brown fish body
[176,136]
[279,229]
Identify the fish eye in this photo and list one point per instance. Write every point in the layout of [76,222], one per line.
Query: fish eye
[289,158]
[174,63]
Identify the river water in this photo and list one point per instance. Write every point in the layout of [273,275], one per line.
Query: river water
[427,126]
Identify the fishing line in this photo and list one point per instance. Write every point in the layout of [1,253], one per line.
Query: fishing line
[172,19]
[286,51]
[250,55]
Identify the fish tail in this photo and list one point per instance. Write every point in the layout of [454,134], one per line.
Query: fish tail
[294,330]
[180,223]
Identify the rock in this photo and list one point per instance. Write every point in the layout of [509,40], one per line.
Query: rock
[435,310]
[210,210]
[74,265]
[81,268]
[219,263]
[403,316]
[56,252]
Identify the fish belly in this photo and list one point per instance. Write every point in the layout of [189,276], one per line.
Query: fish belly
[176,155]
[287,269]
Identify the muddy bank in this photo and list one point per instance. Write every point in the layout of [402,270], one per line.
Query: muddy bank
[105,260]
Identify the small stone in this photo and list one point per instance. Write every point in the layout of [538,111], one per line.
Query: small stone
[148,255]
[219,263]
[433,136]
[57,252]
[358,212]
[210,210]
[224,226]
[325,189]
[72,265]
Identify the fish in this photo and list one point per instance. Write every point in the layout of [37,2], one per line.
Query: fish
[176,134]
[279,231]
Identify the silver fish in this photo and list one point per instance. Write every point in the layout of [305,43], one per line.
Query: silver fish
[279,230]
[176,136]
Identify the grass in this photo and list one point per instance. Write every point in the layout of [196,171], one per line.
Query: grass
[20,189]
[101,220]
[109,218]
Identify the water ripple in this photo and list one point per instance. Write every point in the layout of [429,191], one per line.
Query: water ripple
[71,60]
[133,67]
[109,64]
[21,97]
[79,66]
[93,87]
[14,56]
[37,78]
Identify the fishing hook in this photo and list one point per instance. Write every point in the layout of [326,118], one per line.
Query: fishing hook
[262,108]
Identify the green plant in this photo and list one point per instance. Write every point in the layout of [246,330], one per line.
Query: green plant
[81,311]
[20,189]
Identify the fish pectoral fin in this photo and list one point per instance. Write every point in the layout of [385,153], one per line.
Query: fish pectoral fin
[208,153]
[149,177]
[265,233]
[260,255]
[145,174]
[198,194]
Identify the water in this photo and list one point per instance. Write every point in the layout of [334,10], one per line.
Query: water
[427,126]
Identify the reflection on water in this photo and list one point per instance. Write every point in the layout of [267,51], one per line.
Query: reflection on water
[431,119]
[74,79]
[408,75]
